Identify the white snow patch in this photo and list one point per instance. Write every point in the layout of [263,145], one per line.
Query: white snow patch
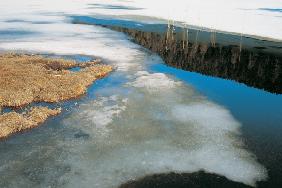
[239,16]
[218,132]
[154,81]
[101,112]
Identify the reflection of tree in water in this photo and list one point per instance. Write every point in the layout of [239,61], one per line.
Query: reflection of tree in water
[253,68]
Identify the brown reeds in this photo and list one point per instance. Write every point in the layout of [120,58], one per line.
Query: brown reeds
[213,37]
[13,122]
[30,78]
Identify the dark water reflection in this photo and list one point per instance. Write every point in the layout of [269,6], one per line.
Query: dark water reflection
[251,67]
[256,63]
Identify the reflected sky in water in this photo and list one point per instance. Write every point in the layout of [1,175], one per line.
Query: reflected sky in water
[247,103]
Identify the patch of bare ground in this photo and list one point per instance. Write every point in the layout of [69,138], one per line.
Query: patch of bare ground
[30,78]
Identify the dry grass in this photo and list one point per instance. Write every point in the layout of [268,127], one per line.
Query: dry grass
[27,78]
[14,122]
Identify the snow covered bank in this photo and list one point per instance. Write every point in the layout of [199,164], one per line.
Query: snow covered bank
[251,17]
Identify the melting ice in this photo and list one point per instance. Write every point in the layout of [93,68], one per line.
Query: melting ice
[147,123]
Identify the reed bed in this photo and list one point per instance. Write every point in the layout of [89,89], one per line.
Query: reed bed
[31,78]
[13,122]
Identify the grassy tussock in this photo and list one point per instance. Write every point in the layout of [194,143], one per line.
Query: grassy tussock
[14,122]
[27,78]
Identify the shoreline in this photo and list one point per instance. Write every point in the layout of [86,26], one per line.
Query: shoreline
[160,20]
[252,62]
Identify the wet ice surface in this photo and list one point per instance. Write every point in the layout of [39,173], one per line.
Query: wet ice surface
[133,123]
[159,130]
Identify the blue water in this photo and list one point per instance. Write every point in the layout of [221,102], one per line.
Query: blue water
[272,9]
[246,103]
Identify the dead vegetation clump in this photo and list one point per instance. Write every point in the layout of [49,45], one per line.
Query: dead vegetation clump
[13,122]
[30,78]
[25,79]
